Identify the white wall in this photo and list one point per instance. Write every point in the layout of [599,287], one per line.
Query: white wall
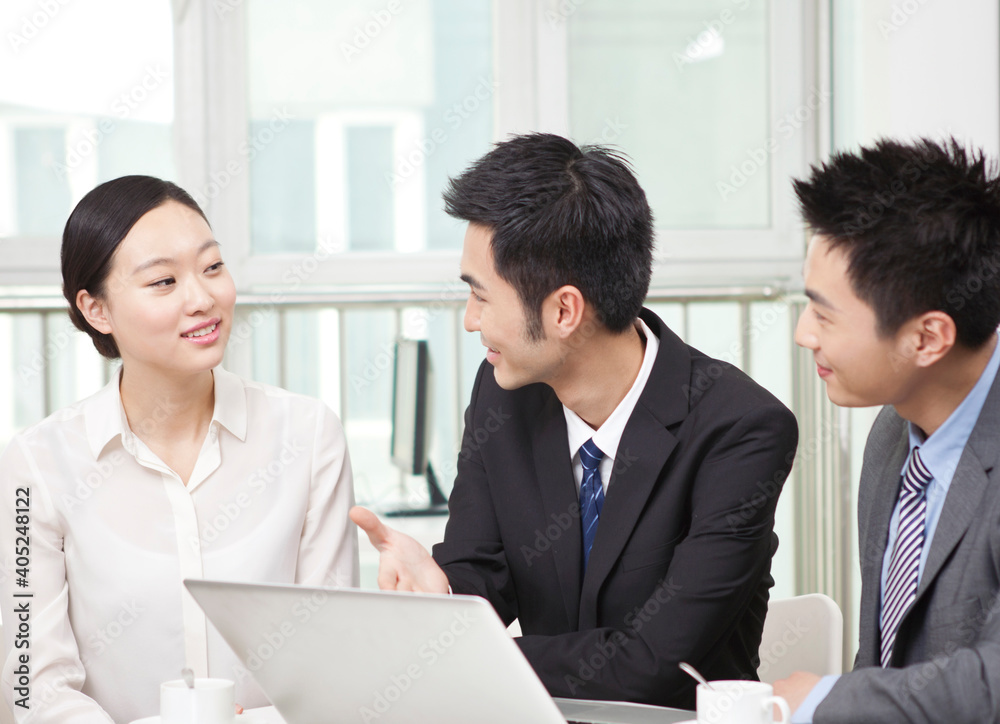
[906,68]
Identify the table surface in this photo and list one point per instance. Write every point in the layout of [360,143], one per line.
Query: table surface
[608,712]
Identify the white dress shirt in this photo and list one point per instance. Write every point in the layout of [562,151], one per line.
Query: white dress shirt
[608,435]
[114,531]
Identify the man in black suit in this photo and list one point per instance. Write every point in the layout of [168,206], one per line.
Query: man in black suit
[616,488]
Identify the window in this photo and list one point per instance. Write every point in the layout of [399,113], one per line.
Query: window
[87,95]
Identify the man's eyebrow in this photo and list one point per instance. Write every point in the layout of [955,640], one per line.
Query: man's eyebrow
[472,282]
[820,299]
[167,260]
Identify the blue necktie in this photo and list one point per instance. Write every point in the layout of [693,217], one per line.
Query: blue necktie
[904,566]
[591,495]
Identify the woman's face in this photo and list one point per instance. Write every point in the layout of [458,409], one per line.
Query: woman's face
[168,300]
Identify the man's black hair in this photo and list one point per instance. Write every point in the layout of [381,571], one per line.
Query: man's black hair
[561,215]
[920,226]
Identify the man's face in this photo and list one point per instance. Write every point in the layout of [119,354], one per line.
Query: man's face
[495,311]
[860,368]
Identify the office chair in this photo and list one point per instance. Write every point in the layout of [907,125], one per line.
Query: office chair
[804,633]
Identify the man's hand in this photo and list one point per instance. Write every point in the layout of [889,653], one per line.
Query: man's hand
[796,688]
[403,564]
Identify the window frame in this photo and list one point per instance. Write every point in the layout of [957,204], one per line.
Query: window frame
[530,67]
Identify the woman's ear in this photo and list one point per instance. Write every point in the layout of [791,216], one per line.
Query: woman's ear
[94,310]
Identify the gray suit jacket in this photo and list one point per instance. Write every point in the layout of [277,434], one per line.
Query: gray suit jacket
[946,659]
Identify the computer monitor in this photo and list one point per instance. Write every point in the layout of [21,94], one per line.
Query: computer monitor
[411,416]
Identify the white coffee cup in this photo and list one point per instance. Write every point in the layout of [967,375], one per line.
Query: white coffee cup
[739,702]
[211,701]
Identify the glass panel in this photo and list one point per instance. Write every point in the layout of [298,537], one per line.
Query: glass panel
[87,96]
[681,87]
[672,314]
[386,101]
[770,339]
[10,379]
[301,351]
[369,338]
[283,214]
[714,329]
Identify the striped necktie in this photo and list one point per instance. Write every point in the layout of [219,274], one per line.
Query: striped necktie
[904,566]
[591,495]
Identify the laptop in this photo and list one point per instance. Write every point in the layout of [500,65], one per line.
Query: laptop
[349,655]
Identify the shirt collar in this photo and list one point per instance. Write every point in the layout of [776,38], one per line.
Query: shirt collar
[105,416]
[608,435]
[230,403]
[941,451]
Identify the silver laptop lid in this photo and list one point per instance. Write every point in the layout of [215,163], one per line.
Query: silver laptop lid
[348,655]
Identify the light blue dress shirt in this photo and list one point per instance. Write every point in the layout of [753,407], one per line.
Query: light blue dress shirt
[940,453]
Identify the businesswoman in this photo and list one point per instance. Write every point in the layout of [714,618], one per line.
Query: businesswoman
[176,469]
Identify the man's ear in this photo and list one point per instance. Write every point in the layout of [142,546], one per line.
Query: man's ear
[563,311]
[930,336]
[94,310]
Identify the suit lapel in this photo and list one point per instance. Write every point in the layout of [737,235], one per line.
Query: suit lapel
[886,487]
[554,471]
[643,452]
[967,487]
[645,446]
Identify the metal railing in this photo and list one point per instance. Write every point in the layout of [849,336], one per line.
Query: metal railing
[820,491]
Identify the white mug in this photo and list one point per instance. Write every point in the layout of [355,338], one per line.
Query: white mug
[211,701]
[739,702]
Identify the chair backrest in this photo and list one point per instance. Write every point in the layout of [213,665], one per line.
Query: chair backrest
[6,716]
[804,633]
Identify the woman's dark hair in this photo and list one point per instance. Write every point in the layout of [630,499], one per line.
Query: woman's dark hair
[92,235]
[559,215]
[920,225]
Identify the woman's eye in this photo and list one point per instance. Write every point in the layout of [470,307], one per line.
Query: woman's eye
[216,266]
[163,282]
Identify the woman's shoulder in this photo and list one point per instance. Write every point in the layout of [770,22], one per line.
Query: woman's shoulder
[266,399]
[75,416]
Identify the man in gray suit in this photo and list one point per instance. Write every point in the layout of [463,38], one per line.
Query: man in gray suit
[903,280]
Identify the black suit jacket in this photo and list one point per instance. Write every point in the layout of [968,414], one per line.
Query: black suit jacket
[680,567]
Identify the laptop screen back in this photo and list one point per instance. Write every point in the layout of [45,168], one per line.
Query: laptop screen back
[347,655]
